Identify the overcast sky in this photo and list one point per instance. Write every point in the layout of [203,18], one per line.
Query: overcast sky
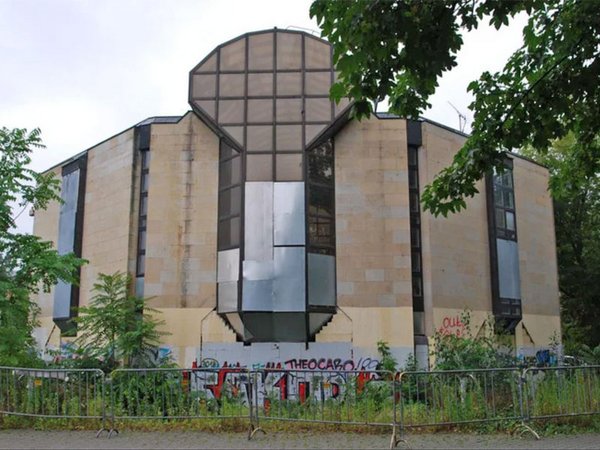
[85,70]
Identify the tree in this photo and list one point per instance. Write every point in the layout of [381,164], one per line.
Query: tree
[27,264]
[118,326]
[575,187]
[547,88]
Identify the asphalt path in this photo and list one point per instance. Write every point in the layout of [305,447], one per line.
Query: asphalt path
[34,439]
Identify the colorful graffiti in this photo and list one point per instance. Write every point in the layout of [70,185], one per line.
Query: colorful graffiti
[298,379]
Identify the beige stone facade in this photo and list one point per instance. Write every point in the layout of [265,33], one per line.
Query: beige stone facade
[158,203]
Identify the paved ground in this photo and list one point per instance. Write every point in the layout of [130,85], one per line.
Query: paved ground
[30,439]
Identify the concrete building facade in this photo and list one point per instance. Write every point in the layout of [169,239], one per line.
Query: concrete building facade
[268,226]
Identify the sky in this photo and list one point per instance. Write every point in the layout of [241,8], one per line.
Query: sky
[84,70]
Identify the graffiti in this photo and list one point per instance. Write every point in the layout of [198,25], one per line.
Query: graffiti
[452,325]
[295,379]
[331,364]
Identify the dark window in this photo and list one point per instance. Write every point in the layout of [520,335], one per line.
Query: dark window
[321,199]
[230,196]
[143,212]
[504,205]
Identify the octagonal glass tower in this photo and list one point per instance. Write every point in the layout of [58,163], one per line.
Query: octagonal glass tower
[266,95]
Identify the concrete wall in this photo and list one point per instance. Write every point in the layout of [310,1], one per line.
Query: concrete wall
[373,236]
[182,215]
[455,249]
[373,244]
[537,255]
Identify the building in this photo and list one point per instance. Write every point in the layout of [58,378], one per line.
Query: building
[268,226]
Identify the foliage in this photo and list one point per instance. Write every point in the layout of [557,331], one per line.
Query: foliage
[118,326]
[575,187]
[387,361]
[26,262]
[589,355]
[399,49]
[468,351]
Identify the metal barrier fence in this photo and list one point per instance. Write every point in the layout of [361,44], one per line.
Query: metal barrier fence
[179,394]
[372,398]
[561,392]
[455,397]
[53,393]
[326,396]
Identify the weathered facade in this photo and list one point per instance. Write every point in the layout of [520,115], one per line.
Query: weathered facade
[267,226]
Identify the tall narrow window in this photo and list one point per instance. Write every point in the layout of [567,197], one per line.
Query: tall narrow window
[70,235]
[504,250]
[143,146]
[414,138]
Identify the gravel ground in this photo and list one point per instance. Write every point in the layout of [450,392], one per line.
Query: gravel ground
[31,439]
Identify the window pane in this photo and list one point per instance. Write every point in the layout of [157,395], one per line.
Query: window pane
[498,197]
[229,172]
[510,221]
[416,261]
[145,179]
[231,111]
[416,285]
[233,56]
[500,220]
[204,85]
[289,110]
[289,137]
[142,241]
[260,111]
[260,51]
[229,233]
[508,200]
[507,179]
[414,202]
[231,84]
[289,167]
[415,236]
[413,181]
[320,231]
[317,83]
[260,84]
[318,54]
[289,83]
[229,202]
[318,109]
[412,156]
[145,159]
[289,51]
[141,264]
[144,206]
[260,138]
[320,164]
[259,168]
[321,201]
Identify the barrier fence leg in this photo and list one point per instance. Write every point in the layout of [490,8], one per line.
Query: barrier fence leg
[113,430]
[524,426]
[103,403]
[252,404]
[397,428]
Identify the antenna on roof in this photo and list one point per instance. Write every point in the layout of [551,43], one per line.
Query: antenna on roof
[310,30]
[462,119]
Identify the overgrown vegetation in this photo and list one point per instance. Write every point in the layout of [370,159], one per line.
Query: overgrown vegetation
[117,328]
[485,349]
[27,263]
[398,49]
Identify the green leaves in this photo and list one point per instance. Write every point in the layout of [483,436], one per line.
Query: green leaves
[398,49]
[118,326]
[27,263]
